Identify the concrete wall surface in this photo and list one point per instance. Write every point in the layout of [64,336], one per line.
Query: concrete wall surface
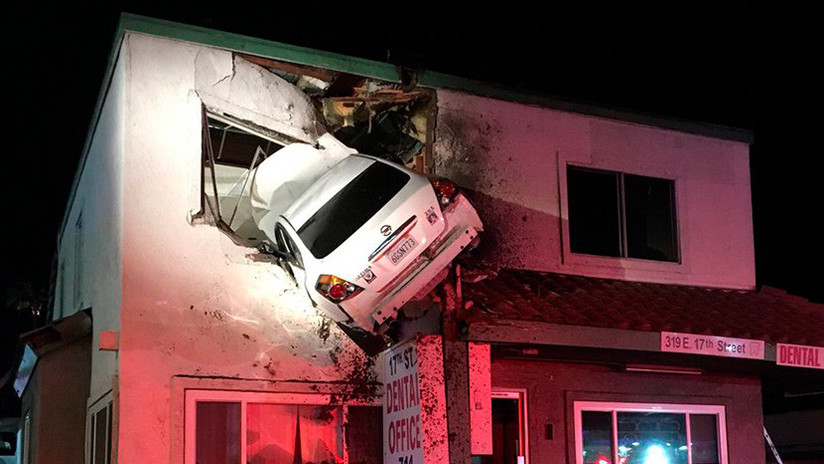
[515,157]
[552,388]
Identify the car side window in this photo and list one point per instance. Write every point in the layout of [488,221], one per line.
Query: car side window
[286,245]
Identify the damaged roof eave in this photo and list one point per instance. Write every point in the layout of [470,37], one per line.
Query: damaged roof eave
[544,333]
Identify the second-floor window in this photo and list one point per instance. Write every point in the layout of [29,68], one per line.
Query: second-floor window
[621,215]
[230,155]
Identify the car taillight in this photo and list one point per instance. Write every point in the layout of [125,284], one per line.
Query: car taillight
[445,190]
[336,289]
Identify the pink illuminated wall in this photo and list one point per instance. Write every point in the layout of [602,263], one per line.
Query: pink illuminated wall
[515,157]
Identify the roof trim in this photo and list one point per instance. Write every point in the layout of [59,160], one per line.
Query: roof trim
[261,47]
[545,333]
[390,72]
[446,81]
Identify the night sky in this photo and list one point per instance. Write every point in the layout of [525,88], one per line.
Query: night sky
[741,65]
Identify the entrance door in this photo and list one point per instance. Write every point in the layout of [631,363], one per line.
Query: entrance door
[508,431]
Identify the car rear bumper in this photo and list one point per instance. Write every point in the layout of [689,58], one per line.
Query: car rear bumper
[462,227]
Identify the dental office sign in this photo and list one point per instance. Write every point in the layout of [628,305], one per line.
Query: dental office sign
[402,428]
[811,357]
[712,345]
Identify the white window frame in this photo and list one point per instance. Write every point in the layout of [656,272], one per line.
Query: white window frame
[573,259]
[519,395]
[24,447]
[77,289]
[192,397]
[603,406]
[106,403]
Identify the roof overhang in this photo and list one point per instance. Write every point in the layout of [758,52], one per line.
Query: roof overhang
[39,342]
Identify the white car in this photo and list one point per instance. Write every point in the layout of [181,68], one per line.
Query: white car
[369,235]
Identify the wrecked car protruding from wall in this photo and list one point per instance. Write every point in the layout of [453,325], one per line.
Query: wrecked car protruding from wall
[368,236]
[362,234]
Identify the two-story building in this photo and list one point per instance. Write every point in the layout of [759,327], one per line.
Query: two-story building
[609,315]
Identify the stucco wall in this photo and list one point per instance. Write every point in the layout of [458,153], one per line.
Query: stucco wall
[515,157]
[551,389]
[194,302]
[92,251]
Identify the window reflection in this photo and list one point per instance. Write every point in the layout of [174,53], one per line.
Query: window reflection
[704,437]
[597,437]
[652,438]
[218,433]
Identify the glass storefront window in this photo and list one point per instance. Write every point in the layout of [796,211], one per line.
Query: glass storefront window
[635,433]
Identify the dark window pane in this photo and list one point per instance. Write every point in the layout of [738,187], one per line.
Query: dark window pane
[704,435]
[364,435]
[8,443]
[648,437]
[594,221]
[235,146]
[109,434]
[101,427]
[596,436]
[218,433]
[350,208]
[650,218]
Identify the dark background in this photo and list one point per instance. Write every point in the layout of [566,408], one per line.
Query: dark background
[755,66]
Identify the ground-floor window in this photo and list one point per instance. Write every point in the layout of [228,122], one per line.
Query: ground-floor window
[99,431]
[636,433]
[228,427]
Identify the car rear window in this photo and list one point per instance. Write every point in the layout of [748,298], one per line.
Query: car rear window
[351,207]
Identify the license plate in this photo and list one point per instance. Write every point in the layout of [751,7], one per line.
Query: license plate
[402,249]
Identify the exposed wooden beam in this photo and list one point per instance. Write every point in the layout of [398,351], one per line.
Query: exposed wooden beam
[318,73]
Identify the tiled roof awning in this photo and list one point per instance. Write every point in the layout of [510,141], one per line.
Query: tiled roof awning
[519,298]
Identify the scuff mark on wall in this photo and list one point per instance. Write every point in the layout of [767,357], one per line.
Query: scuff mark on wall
[510,232]
[463,143]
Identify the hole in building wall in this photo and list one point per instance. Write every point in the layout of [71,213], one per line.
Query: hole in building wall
[383,119]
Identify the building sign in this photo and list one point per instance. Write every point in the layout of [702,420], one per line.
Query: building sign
[712,345]
[811,357]
[402,428]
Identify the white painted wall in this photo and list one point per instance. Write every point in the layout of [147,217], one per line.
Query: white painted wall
[98,199]
[195,303]
[516,156]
